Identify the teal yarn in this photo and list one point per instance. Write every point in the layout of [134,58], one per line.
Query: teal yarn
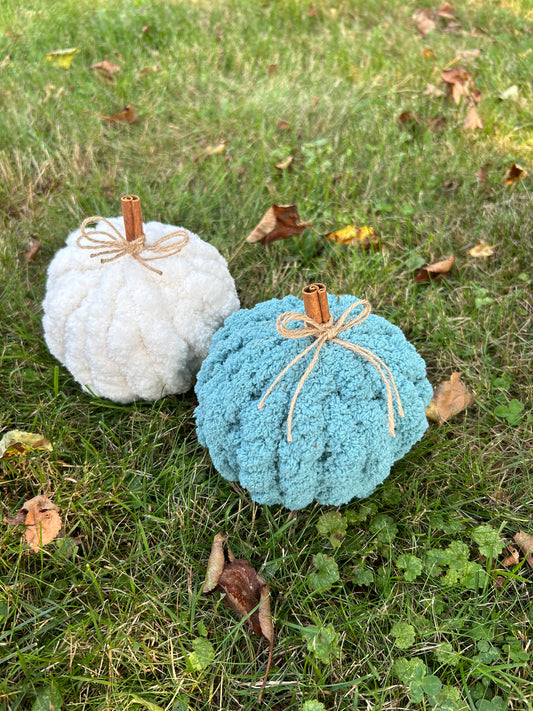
[341,445]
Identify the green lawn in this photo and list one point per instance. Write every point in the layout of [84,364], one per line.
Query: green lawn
[410,605]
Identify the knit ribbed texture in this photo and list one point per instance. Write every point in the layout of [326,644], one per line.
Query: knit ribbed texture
[341,445]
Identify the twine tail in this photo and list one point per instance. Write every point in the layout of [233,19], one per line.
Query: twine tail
[288,367]
[300,385]
[387,377]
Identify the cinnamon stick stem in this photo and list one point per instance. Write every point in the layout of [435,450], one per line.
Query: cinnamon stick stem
[315,299]
[133,219]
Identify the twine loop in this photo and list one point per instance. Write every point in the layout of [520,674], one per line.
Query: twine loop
[330,331]
[115,244]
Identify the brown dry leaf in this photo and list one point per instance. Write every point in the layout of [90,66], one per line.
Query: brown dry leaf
[127,115]
[453,27]
[449,398]
[106,70]
[436,270]
[428,53]
[349,236]
[436,123]
[283,125]
[482,174]
[458,82]
[312,10]
[245,592]
[513,558]
[431,90]
[284,164]
[525,542]
[472,120]
[409,118]
[481,249]
[424,21]
[279,222]
[515,174]
[42,521]
[272,69]
[33,249]
[446,11]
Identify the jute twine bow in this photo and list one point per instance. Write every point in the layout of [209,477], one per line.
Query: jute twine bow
[330,331]
[117,245]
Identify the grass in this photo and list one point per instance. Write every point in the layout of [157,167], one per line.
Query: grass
[108,616]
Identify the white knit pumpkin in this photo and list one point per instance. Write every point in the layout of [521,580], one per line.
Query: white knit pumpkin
[127,333]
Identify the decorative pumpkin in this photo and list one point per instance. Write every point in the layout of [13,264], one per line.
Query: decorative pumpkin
[125,329]
[316,405]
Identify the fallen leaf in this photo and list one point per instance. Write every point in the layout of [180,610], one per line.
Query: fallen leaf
[515,174]
[470,53]
[446,11]
[214,150]
[6,61]
[409,118]
[525,542]
[272,69]
[448,185]
[472,120]
[279,222]
[459,83]
[348,236]
[510,93]
[62,57]
[449,398]
[437,123]
[127,115]
[16,443]
[41,519]
[428,53]
[215,564]
[482,174]
[312,11]
[146,28]
[285,163]
[424,21]
[436,270]
[245,592]
[513,558]
[106,70]
[431,90]
[314,101]
[283,125]
[145,71]
[453,27]
[481,249]
[31,252]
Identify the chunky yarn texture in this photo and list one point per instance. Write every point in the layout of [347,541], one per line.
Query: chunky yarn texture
[127,333]
[341,445]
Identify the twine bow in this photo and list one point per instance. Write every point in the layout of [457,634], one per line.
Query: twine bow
[118,246]
[330,331]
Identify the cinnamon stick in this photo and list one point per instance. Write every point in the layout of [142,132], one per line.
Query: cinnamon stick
[133,218]
[315,299]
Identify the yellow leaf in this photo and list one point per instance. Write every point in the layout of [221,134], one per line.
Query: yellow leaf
[350,235]
[62,57]
[481,249]
[16,443]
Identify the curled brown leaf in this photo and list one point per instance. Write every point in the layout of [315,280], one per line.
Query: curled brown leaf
[449,398]
[279,222]
[436,270]
[525,543]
